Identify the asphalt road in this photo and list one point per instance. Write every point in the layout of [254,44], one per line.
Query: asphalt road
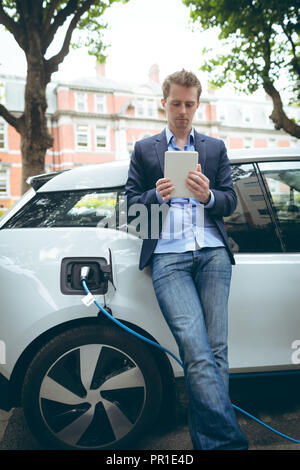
[274,400]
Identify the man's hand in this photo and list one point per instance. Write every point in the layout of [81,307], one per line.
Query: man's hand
[198,183]
[164,187]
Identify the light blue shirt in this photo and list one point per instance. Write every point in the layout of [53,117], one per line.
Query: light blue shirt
[187,226]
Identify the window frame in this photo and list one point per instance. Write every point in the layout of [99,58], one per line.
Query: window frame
[247,116]
[4,124]
[6,193]
[222,112]
[106,134]
[88,131]
[271,211]
[78,95]
[145,107]
[100,99]
[271,206]
[119,190]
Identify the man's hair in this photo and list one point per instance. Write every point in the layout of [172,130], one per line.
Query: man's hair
[183,78]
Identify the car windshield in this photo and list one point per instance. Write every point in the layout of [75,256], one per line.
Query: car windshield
[66,209]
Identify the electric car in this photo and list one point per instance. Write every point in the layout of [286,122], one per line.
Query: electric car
[83,381]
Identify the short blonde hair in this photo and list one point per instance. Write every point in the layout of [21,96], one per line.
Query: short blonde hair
[183,78]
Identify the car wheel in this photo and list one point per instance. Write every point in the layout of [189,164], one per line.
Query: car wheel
[91,387]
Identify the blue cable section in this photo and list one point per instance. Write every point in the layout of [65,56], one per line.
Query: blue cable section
[180,363]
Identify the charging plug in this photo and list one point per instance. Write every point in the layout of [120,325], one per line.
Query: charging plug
[84,273]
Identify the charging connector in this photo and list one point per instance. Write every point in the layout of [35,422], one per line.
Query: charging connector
[84,273]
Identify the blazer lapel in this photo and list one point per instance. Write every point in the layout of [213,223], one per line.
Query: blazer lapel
[161,147]
[200,147]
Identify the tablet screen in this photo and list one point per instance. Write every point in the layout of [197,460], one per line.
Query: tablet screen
[177,166]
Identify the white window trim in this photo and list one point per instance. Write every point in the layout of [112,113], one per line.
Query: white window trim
[250,140]
[274,140]
[7,184]
[222,111]
[145,107]
[200,113]
[247,113]
[77,93]
[5,148]
[88,147]
[107,138]
[103,96]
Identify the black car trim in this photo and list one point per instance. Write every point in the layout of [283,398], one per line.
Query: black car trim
[270,206]
[5,394]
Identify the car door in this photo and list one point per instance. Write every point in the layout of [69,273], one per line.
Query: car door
[264,314]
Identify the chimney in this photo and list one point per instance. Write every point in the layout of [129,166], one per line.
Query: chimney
[100,70]
[154,73]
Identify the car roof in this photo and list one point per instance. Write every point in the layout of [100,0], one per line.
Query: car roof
[114,174]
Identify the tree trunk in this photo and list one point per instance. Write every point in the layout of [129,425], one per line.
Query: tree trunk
[35,138]
[278,116]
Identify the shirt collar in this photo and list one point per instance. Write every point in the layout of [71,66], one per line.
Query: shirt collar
[170,135]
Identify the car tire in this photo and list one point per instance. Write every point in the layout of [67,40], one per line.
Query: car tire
[91,387]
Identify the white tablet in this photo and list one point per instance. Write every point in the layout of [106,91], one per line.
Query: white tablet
[177,165]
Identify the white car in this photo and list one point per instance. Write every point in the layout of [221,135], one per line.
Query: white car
[83,381]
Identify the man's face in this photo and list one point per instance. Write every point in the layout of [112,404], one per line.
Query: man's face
[180,106]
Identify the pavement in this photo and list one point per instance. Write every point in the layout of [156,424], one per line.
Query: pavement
[275,402]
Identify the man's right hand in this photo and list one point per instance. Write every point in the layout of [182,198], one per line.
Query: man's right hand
[164,187]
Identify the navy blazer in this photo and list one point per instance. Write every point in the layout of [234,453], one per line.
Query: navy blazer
[147,166]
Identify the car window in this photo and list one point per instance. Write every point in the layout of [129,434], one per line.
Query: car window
[250,228]
[283,184]
[66,209]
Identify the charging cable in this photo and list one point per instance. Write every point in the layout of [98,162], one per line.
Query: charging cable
[91,299]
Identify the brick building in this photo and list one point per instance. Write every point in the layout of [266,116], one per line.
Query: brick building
[98,119]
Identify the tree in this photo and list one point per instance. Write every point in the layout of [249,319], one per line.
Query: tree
[34,24]
[261,43]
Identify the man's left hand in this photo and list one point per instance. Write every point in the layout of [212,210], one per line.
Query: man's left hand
[198,183]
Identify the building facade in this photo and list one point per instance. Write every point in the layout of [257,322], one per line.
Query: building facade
[98,119]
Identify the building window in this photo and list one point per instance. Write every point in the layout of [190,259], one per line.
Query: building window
[140,107]
[248,142]
[146,107]
[101,137]
[294,142]
[2,135]
[221,112]
[80,102]
[3,183]
[246,116]
[151,108]
[200,114]
[100,103]
[272,142]
[2,92]
[82,137]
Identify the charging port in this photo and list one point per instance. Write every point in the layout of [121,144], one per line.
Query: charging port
[100,273]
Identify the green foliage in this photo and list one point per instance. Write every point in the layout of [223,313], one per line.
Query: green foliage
[260,39]
[90,28]
[35,25]
[82,17]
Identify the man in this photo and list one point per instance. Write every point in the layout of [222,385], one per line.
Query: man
[191,275]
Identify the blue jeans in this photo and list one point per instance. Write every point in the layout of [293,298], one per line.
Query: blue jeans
[192,290]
